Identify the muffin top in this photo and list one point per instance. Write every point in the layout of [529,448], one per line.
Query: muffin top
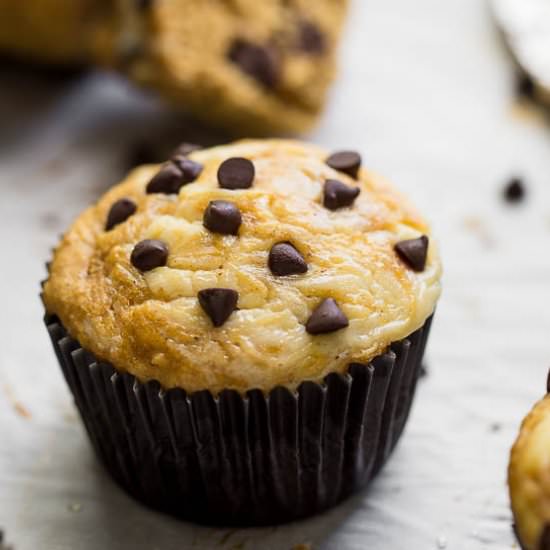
[250,265]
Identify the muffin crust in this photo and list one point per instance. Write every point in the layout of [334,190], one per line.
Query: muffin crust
[151,324]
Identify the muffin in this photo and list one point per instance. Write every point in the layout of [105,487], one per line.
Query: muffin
[253,67]
[242,328]
[53,31]
[529,478]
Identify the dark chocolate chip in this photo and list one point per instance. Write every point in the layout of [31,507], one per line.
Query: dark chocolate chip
[236,173]
[222,217]
[259,62]
[121,210]
[149,254]
[514,191]
[311,39]
[185,149]
[544,540]
[413,252]
[167,180]
[327,317]
[190,170]
[284,259]
[218,303]
[345,161]
[338,195]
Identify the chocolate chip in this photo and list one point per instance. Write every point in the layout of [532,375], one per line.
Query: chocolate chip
[327,317]
[338,195]
[544,540]
[167,180]
[284,259]
[236,173]
[185,149]
[259,62]
[121,210]
[218,303]
[190,170]
[311,39]
[149,254]
[413,252]
[514,191]
[345,161]
[222,217]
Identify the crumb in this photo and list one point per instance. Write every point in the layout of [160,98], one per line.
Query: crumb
[514,190]
[18,407]
[477,226]
[495,427]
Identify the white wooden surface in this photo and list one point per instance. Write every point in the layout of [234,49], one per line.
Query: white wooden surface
[426,94]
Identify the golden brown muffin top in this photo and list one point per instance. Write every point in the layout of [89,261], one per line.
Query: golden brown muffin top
[302,268]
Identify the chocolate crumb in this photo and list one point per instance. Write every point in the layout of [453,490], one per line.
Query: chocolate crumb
[525,87]
[514,191]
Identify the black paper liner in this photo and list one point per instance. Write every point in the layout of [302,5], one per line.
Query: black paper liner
[244,460]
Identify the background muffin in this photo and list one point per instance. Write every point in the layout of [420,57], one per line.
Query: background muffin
[252,67]
[266,273]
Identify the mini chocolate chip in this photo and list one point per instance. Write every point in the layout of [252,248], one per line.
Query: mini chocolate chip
[167,180]
[338,195]
[222,217]
[149,254]
[236,173]
[190,169]
[326,317]
[413,252]
[311,39]
[284,259]
[345,161]
[514,191]
[259,62]
[218,303]
[185,149]
[121,210]
[544,540]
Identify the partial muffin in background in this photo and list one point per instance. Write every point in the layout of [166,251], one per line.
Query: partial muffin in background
[252,67]
[529,479]
[51,31]
[242,328]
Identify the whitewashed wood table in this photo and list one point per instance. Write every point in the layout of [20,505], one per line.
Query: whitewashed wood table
[426,93]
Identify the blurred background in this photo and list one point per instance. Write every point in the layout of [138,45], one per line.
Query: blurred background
[429,94]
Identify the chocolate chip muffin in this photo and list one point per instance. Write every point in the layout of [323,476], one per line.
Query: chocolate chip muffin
[529,478]
[54,31]
[242,327]
[247,65]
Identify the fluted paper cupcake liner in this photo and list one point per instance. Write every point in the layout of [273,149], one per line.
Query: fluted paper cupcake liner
[232,459]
